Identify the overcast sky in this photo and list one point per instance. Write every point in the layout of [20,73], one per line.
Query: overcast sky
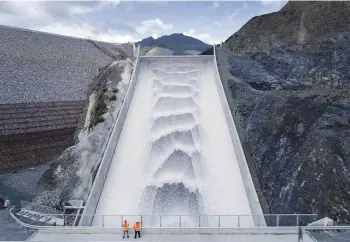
[115,21]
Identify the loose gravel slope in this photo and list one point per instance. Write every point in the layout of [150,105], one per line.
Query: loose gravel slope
[39,67]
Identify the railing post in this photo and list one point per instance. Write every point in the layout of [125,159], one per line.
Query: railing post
[278,220]
[160,220]
[297,219]
[258,220]
[219,221]
[180,221]
[300,234]
[103,220]
[238,220]
[122,217]
[199,221]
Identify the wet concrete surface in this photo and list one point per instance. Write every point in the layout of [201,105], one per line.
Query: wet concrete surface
[10,230]
[18,186]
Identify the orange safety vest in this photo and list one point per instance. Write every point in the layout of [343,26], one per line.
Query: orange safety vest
[137,226]
[126,226]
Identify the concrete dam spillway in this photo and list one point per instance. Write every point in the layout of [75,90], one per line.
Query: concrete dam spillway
[175,155]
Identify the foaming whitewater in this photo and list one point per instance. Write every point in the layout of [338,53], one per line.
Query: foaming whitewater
[175,155]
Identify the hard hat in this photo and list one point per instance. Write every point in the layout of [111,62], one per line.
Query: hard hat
[137,221]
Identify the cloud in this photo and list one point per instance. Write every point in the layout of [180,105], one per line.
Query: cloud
[86,31]
[235,20]
[154,28]
[33,15]
[66,18]
[205,37]
[215,5]
[231,16]
[52,10]
[273,2]
[106,25]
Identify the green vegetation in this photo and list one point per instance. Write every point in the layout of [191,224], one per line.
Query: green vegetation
[144,50]
[113,98]
[97,111]
[208,52]
[115,90]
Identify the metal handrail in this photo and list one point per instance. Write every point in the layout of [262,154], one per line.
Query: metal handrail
[304,228]
[178,218]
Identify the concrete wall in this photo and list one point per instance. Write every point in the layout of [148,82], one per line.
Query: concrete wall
[245,172]
[102,172]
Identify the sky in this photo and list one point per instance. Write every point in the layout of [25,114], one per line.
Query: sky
[124,21]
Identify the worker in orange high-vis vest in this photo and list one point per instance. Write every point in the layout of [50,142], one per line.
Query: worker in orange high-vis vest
[125,229]
[137,228]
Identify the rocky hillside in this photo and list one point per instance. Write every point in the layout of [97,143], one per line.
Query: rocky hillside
[288,84]
[179,44]
[298,26]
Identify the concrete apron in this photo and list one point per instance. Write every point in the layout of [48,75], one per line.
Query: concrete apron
[172,234]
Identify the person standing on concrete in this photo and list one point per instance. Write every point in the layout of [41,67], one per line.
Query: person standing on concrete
[125,229]
[137,228]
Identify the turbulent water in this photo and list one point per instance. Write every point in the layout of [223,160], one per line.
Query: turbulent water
[175,154]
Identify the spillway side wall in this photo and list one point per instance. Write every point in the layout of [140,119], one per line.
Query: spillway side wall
[101,175]
[243,166]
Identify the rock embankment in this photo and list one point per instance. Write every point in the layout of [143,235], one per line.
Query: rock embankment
[45,80]
[42,67]
[33,133]
[72,175]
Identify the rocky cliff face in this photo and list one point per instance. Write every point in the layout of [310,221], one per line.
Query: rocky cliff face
[299,26]
[289,86]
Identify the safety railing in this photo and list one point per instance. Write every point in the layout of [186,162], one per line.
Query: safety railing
[39,208]
[172,221]
[326,233]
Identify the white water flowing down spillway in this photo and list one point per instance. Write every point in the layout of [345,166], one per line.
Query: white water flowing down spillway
[175,155]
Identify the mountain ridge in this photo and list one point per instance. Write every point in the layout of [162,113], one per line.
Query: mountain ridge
[179,43]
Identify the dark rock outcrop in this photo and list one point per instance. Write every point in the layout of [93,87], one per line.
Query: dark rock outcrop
[289,91]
